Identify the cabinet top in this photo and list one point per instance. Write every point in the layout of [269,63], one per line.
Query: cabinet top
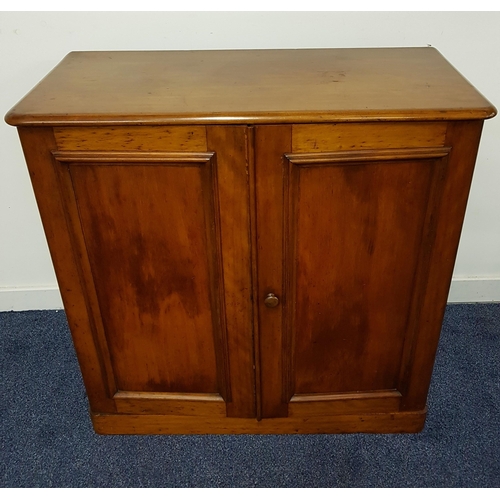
[251,86]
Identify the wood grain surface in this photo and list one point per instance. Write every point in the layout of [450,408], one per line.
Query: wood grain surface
[389,422]
[150,266]
[179,189]
[251,86]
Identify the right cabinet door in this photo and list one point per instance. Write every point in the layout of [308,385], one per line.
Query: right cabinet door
[347,218]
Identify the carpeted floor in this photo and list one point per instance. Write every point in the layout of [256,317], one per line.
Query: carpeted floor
[47,439]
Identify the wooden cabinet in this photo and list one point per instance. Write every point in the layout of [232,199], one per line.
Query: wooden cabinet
[254,241]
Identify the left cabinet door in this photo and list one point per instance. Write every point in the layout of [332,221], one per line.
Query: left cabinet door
[158,224]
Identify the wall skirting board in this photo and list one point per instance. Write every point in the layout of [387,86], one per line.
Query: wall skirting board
[475,289]
[30,298]
[470,289]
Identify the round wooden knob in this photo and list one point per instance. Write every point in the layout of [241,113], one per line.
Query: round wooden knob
[271,300]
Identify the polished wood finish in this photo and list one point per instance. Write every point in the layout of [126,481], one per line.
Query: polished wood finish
[37,143]
[171,345]
[387,422]
[233,187]
[131,138]
[190,404]
[439,260]
[350,259]
[317,405]
[254,241]
[270,143]
[251,86]
[360,136]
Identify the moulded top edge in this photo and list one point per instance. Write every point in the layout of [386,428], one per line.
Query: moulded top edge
[251,86]
[15,119]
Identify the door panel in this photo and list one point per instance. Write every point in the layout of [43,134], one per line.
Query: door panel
[150,227]
[358,230]
[355,230]
[146,236]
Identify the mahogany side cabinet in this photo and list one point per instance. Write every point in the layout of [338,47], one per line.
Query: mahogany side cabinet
[253,241]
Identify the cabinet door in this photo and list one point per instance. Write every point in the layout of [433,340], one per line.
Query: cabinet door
[346,225]
[160,231]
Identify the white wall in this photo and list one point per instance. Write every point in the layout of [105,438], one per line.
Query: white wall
[31,43]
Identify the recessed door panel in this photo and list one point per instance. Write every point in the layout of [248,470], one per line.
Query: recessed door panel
[147,230]
[358,229]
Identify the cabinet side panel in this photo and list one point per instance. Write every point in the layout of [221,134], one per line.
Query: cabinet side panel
[229,143]
[37,145]
[145,229]
[463,138]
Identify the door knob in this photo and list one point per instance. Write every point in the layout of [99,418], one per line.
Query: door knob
[271,300]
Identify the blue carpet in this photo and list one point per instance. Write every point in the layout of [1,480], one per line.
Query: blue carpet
[47,439]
